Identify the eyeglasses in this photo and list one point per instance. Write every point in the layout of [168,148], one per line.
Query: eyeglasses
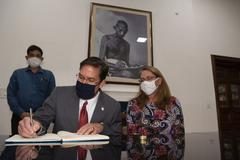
[147,79]
[91,81]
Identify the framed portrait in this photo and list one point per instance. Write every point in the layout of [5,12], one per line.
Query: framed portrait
[122,37]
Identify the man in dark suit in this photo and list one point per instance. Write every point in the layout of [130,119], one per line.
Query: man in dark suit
[68,107]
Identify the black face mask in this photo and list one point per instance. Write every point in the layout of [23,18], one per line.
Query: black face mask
[85,91]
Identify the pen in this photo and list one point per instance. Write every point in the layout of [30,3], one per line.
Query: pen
[31,120]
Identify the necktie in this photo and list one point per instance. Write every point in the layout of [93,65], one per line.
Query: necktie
[82,153]
[83,115]
[83,119]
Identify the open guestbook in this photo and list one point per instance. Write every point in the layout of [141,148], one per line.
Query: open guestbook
[62,137]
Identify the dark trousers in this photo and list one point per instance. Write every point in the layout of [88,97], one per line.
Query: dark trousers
[14,124]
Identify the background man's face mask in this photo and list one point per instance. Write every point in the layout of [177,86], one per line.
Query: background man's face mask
[34,62]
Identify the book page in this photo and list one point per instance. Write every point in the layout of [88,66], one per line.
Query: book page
[68,144]
[69,137]
[49,137]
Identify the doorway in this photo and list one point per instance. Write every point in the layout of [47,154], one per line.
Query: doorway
[226,73]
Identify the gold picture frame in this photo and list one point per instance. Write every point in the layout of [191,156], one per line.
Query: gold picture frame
[122,37]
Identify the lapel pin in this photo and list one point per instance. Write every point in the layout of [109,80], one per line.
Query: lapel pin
[102,108]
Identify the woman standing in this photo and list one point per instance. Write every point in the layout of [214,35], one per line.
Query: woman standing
[154,112]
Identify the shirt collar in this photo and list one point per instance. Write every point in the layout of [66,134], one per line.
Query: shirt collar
[27,69]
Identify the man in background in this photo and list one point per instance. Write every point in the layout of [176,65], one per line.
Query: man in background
[29,87]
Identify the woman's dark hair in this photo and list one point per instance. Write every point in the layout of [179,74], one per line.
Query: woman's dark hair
[34,48]
[97,63]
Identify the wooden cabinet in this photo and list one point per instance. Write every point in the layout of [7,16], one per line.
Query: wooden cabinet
[230,147]
[227,89]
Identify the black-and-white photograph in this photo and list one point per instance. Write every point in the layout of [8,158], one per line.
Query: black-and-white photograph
[122,37]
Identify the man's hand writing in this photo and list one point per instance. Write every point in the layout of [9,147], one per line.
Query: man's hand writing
[28,130]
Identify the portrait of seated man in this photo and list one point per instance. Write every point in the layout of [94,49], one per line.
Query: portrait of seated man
[114,50]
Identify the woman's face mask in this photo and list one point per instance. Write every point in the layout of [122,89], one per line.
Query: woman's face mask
[148,87]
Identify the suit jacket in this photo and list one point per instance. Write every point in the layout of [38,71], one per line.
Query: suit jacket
[62,108]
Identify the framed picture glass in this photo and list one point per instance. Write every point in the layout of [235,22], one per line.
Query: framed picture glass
[122,37]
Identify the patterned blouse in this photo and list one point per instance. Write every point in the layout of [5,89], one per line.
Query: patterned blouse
[155,148]
[152,121]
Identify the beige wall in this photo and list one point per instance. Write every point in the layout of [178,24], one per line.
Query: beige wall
[185,33]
